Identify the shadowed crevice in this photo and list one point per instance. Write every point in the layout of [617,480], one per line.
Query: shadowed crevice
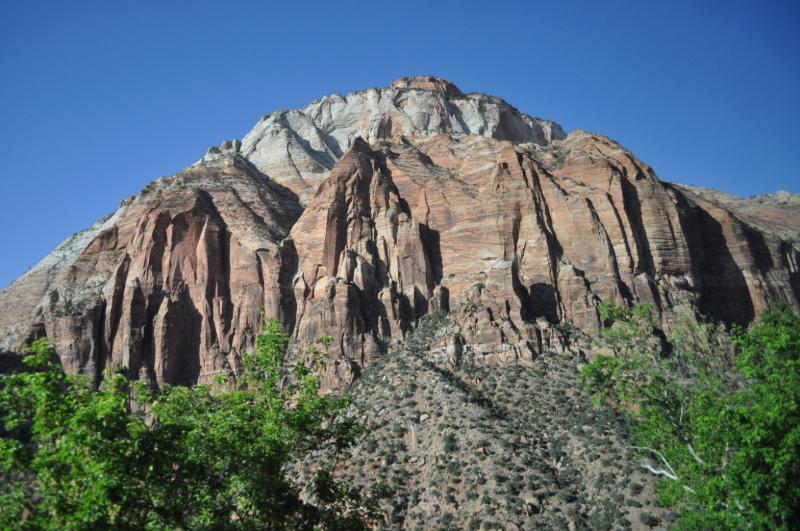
[288,269]
[724,291]
[633,207]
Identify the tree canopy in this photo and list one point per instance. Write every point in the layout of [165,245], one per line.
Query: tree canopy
[73,456]
[717,415]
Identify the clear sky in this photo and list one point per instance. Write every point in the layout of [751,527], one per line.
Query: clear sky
[99,98]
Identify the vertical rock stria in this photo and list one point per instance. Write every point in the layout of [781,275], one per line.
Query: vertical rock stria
[358,214]
[171,287]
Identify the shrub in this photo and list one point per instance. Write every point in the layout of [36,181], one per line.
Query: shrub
[80,458]
[724,430]
[449,443]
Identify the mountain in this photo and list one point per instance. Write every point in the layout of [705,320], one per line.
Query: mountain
[357,215]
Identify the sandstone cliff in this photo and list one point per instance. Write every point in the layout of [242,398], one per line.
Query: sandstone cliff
[358,214]
[171,286]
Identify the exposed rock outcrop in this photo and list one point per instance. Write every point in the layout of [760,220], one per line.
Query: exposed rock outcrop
[417,198]
[299,147]
[171,286]
[364,273]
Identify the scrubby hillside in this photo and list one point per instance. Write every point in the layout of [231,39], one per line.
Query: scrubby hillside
[511,447]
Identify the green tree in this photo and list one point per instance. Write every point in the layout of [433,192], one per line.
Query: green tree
[722,430]
[76,457]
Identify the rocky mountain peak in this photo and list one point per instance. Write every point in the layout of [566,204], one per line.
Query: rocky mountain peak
[432,83]
[299,147]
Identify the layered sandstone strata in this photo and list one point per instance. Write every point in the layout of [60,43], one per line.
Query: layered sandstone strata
[358,214]
[171,287]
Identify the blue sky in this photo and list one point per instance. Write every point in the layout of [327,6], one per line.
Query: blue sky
[99,98]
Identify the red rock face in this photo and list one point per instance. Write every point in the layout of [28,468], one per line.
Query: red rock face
[173,288]
[514,245]
[364,272]
[516,234]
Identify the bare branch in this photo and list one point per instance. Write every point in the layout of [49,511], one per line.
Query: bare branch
[694,454]
[669,472]
[660,472]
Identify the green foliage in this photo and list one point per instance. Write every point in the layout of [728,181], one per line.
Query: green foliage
[449,443]
[723,430]
[76,457]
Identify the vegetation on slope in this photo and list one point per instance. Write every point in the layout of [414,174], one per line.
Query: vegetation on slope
[445,446]
[474,447]
[76,457]
[717,416]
